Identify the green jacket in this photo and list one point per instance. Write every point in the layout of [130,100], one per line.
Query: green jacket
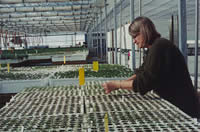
[164,71]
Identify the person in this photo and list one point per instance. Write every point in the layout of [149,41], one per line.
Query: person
[164,70]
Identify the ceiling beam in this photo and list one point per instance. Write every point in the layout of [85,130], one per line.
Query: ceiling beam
[13,2]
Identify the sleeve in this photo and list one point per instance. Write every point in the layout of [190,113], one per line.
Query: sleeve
[148,77]
[140,69]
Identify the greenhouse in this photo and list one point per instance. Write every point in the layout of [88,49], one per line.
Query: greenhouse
[77,66]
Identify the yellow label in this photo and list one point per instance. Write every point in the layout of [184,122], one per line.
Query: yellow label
[8,66]
[64,59]
[106,122]
[95,66]
[81,76]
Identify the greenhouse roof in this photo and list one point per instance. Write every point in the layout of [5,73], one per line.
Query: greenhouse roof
[36,16]
[53,16]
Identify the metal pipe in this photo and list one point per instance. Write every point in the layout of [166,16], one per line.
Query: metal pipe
[101,45]
[115,23]
[106,28]
[120,43]
[93,31]
[133,45]
[72,40]
[196,44]
[75,38]
[97,36]
[90,42]
[172,30]
[140,13]
[182,28]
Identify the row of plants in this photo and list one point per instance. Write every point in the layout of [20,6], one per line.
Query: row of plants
[13,56]
[105,71]
[20,76]
[24,53]
[42,50]
[56,109]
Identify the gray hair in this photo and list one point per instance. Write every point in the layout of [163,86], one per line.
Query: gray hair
[146,27]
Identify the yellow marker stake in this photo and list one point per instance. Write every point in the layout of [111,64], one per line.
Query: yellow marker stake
[95,66]
[106,122]
[64,59]
[8,66]
[81,76]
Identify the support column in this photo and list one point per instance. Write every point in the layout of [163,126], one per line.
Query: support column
[140,13]
[182,28]
[120,43]
[97,35]
[196,44]
[106,29]
[75,38]
[93,31]
[133,45]
[101,45]
[72,39]
[115,23]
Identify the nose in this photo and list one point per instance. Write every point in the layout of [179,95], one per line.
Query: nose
[134,41]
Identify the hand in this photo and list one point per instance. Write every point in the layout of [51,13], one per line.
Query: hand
[132,77]
[110,86]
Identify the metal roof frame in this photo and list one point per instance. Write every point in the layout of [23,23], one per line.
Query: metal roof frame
[54,16]
[36,16]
